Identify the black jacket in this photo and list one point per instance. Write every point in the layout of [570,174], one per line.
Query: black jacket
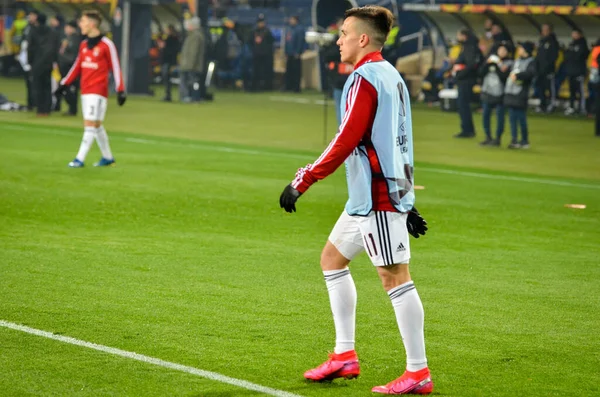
[44,47]
[68,56]
[499,39]
[470,57]
[547,54]
[576,57]
[331,57]
[262,43]
[170,50]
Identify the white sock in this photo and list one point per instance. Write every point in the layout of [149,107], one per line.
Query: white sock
[102,139]
[86,143]
[342,296]
[409,314]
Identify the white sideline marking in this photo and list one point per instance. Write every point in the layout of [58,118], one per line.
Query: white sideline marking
[151,360]
[313,157]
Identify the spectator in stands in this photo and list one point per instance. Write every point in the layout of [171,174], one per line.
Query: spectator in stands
[262,56]
[57,24]
[338,71]
[391,47]
[66,57]
[516,94]
[192,62]
[494,74]
[500,38]
[170,49]
[546,67]
[16,36]
[595,80]
[576,57]
[487,26]
[465,72]
[24,57]
[295,45]
[43,54]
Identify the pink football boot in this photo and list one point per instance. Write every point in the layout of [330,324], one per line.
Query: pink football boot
[344,365]
[409,383]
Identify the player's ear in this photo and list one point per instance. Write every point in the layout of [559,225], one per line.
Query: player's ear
[364,40]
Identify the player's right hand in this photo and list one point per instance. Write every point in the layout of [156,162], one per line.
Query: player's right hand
[121,98]
[288,199]
[415,223]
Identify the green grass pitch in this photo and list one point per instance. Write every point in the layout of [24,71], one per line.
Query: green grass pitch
[181,252]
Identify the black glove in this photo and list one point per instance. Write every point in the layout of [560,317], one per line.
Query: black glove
[121,98]
[61,91]
[288,198]
[415,223]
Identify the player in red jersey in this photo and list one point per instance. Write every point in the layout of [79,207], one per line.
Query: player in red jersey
[97,58]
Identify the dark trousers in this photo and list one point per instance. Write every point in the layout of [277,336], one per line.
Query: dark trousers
[43,91]
[547,91]
[487,115]
[29,88]
[262,73]
[577,93]
[518,118]
[293,73]
[465,93]
[71,95]
[166,77]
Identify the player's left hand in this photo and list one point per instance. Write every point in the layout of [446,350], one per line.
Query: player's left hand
[415,223]
[61,91]
[121,98]
[288,198]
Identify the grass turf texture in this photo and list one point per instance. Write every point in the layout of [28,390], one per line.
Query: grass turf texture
[181,253]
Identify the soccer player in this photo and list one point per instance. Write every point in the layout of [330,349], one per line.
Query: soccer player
[96,59]
[375,141]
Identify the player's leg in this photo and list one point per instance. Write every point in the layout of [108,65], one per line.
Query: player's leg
[387,235]
[102,137]
[89,131]
[344,244]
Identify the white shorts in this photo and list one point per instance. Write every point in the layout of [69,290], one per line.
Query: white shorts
[383,235]
[93,107]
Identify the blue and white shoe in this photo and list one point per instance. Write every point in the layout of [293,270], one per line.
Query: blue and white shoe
[104,162]
[76,164]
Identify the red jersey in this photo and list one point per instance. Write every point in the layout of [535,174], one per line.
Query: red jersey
[361,107]
[93,65]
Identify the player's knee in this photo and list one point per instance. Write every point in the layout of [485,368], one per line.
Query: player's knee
[332,259]
[393,276]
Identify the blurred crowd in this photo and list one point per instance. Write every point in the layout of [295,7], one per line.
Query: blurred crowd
[242,57]
[44,48]
[507,77]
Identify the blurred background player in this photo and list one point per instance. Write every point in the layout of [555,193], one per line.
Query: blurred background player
[262,56]
[338,71]
[192,62]
[576,57]
[170,49]
[97,58]
[465,72]
[294,47]
[547,54]
[66,58]
[375,141]
[494,74]
[516,94]
[43,54]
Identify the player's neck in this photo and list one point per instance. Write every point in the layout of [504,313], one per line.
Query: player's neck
[93,33]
